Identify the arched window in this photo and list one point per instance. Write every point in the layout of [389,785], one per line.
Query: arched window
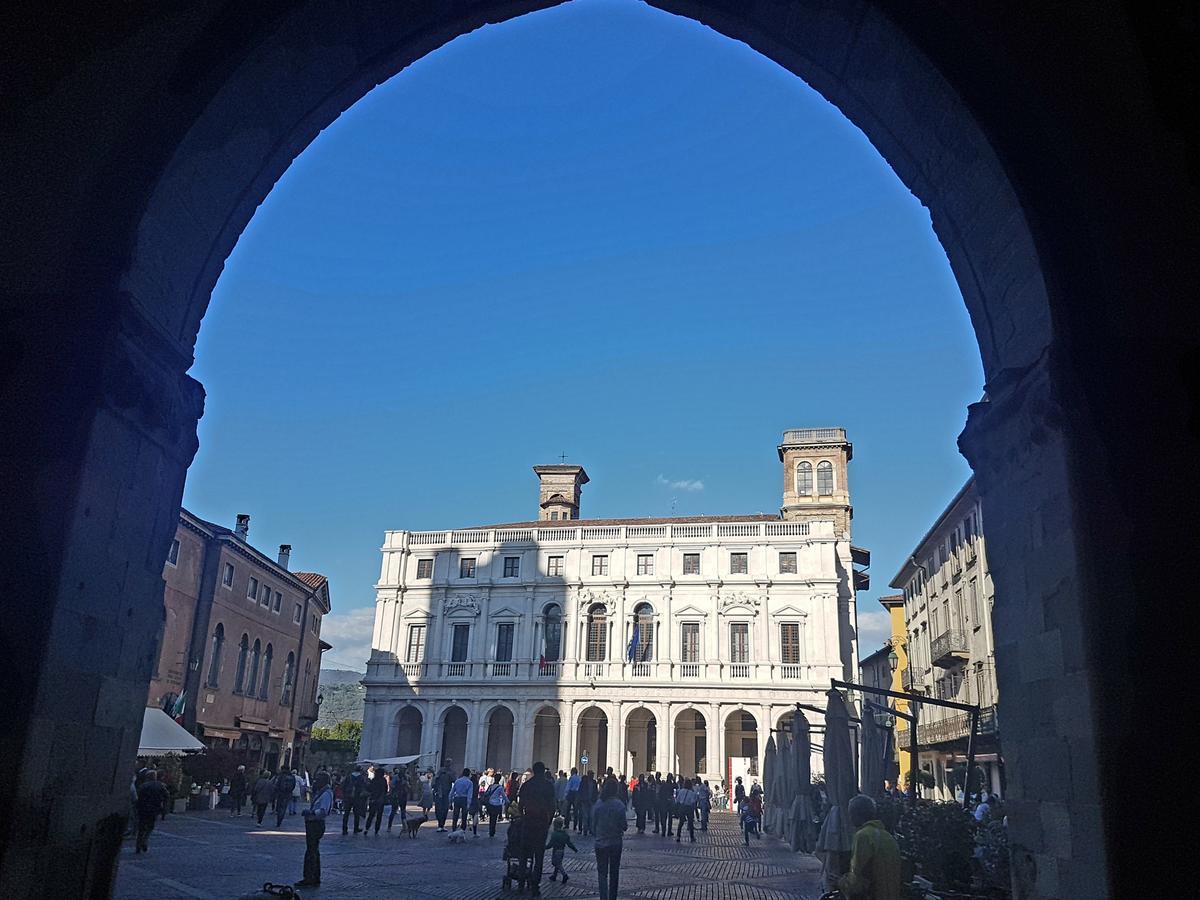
[265,691]
[255,659]
[553,632]
[214,665]
[643,618]
[240,678]
[289,676]
[824,478]
[597,634]
[804,479]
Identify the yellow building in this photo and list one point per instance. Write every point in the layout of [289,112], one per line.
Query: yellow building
[894,604]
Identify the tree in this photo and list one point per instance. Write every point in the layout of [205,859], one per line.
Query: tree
[343,730]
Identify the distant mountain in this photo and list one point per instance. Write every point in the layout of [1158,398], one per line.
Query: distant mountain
[340,676]
[343,697]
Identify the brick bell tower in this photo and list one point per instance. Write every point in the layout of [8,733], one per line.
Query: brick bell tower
[815,485]
[559,490]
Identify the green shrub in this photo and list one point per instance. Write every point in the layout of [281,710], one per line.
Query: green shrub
[938,839]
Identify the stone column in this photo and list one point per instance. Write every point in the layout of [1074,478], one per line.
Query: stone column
[476,735]
[716,740]
[522,750]
[566,735]
[666,738]
[616,738]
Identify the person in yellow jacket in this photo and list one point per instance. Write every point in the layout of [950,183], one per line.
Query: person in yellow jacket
[875,859]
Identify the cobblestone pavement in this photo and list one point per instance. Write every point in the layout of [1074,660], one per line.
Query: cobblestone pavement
[210,855]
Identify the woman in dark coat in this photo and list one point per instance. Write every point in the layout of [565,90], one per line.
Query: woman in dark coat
[262,795]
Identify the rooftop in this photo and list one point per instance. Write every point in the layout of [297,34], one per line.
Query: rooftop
[668,520]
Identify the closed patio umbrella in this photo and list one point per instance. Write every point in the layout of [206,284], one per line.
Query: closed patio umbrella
[874,763]
[802,836]
[836,838]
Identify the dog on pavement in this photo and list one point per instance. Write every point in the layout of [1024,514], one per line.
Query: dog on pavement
[414,824]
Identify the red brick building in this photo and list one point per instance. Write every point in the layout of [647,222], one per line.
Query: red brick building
[241,643]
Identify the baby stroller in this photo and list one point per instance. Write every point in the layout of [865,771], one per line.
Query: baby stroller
[518,858]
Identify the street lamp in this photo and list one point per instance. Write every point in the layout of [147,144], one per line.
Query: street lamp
[893,660]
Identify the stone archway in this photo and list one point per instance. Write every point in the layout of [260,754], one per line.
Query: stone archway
[454,738]
[741,742]
[691,743]
[641,741]
[499,752]
[161,191]
[547,725]
[592,740]
[409,725]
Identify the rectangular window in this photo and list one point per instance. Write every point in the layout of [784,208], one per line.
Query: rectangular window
[599,565]
[314,624]
[739,642]
[458,647]
[424,568]
[554,566]
[597,637]
[645,564]
[691,564]
[512,566]
[252,589]
[739,563]
[466,568]
[264,597]
[973,603]
[227,575]
[173,554]
[689,642]
[787,563]
[933,621]
[415,651]
[789,643]
[278,605]
[504,642]
[297,614]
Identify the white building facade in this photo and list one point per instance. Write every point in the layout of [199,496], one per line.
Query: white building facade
[641,644]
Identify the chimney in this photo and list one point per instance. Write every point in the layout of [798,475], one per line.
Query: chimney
[243,526]
[285,551]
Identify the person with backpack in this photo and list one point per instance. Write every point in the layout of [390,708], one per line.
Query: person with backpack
[377,791]
[354,793]
[494,800]
[285,784]
[685,808]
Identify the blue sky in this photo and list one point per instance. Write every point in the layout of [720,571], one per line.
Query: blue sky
[599,230]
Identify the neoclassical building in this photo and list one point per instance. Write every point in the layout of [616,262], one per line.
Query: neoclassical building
[674,644]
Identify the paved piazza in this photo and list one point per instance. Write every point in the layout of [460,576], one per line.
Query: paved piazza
[210,855]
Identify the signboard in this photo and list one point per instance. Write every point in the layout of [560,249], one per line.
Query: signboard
[584,760]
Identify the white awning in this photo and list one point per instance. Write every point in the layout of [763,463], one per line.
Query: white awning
[163,736]
[390,760]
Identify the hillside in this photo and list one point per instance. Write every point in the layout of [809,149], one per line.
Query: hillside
[343,697]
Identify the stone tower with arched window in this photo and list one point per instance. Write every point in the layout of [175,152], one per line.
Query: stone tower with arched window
[815,484]
[559,490]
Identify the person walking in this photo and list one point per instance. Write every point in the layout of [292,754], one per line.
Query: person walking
[704,803]
[643,801]
[475,806]
[573,798]
[354,790]
[426,803]
[442,782]
[237,791]
[559,841]
[285,783]
[685,807]
[377,791]
[152,797]
[666,797]
[262,795]
[314,829]
[609,823]
[588,793]
[460,799]
[560,794]
[739,792]
[397,797]
[496,798]
[297,792]
[535,800]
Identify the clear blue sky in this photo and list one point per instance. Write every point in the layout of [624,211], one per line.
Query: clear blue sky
[600,230]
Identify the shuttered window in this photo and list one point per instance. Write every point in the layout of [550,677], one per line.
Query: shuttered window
[789,642]
[739,642]
[689,642]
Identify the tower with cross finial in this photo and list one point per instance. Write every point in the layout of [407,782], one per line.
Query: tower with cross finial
[559,490]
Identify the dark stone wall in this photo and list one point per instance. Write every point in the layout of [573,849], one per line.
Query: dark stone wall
[1053,144]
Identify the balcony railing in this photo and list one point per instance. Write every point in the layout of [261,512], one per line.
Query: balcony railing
[814,435]
[456,669]
[593,670]
[739,670]
[689,670]
[548,669]
[949,647]
[584,671]
[642,670]
[911,680]
[502,669]
[618,534]
[413,670]
[789,670]
[954,727]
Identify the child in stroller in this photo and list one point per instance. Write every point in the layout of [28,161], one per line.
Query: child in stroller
[518,857]
[750,817]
